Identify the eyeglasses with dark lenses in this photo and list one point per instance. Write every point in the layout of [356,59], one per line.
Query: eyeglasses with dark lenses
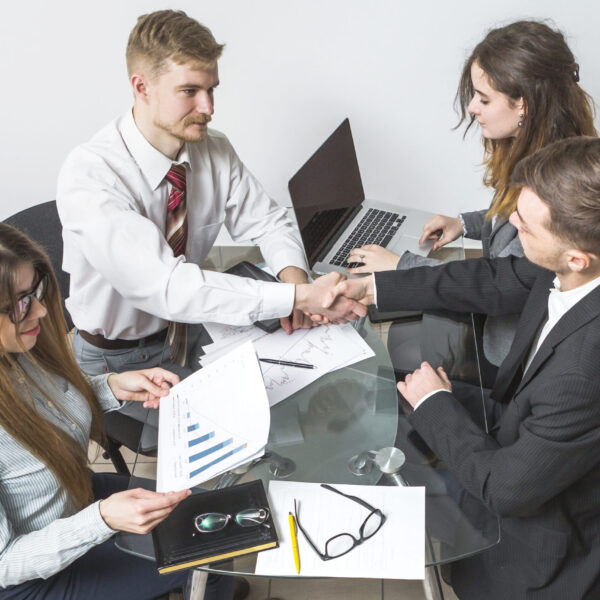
[342,543]
[24,303]
[214,521]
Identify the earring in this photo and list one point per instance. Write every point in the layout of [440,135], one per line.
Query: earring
[521,117]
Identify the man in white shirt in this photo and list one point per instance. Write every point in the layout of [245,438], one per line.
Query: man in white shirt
[538,467]
[142,203]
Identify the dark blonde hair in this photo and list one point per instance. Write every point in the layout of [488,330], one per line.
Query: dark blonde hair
[566,176]
[51,354]
[170,34]
[528,60]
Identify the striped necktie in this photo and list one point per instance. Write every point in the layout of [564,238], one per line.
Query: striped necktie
[176,234]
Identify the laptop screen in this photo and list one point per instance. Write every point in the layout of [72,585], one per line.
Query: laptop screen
[326,190]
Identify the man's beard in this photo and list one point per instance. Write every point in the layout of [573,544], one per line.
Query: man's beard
[182,135]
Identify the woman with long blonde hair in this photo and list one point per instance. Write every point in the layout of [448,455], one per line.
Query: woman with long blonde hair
[521,85]
[56,517]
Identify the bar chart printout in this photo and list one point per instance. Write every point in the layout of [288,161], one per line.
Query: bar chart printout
[213,421]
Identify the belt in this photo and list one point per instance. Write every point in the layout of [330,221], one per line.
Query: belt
[101,342]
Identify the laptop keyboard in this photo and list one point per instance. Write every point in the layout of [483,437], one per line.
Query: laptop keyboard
[376,227]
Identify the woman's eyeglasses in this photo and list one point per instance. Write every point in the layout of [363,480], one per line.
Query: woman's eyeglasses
[214,521]
[342,543]
[24,303]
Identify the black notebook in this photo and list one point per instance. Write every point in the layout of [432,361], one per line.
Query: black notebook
[179,545]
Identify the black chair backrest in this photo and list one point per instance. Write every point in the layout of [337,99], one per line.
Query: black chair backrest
[42,224]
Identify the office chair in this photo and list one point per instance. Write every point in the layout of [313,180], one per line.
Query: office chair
[42,224]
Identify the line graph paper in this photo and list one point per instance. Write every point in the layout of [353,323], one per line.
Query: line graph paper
[328,348]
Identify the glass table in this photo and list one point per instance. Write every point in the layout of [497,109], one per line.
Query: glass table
[330,430]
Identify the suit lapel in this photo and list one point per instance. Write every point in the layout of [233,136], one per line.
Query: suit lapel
[534,313]
[575,318]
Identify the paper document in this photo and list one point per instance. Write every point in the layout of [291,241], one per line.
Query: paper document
[226,335]
[327,348]
[211,422]
[396,551]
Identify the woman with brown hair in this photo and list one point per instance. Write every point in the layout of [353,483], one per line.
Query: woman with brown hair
[521,85]
[56,518]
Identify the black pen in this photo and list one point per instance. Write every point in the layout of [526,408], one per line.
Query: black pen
[287,363]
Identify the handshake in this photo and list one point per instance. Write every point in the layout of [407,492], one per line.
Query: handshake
[334,299]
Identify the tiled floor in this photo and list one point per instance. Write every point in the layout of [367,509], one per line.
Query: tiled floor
[304,589]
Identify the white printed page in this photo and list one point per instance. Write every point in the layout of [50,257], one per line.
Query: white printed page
[396,551]
[212,421]
[327,348]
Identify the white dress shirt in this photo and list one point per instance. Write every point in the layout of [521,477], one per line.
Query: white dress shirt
[125,282]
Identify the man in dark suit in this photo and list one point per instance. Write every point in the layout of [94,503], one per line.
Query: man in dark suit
[538,468]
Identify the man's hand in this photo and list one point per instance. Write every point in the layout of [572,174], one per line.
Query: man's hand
[297,320]
[147,386]
[319,298]
[422,382]
[360,289]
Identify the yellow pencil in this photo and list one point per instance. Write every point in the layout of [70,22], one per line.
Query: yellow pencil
[294,542]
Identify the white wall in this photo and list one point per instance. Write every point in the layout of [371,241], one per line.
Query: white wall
[291,71]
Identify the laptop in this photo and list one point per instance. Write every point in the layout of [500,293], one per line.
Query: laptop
[333,215]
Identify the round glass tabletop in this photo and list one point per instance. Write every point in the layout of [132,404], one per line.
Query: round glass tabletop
[327,432]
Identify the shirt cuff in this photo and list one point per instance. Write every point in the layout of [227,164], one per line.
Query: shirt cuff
[103,393]
[277,300]
[287,259]
[96,524]
[427,396]
[374,290]
[462,222]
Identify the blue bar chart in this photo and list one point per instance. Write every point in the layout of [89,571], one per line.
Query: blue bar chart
[212,422]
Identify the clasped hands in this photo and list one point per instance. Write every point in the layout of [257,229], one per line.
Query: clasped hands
[334,299]
[326,300]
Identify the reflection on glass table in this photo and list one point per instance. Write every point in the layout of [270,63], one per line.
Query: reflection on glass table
[328,429]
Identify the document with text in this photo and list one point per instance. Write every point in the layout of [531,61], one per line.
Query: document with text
[326,348]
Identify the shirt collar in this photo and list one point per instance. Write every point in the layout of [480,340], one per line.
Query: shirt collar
[569,298]
[153,163]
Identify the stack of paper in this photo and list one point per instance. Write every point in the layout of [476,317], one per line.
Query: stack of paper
[211,422]
[327,348]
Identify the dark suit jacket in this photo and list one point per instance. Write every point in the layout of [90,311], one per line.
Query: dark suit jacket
[539,468]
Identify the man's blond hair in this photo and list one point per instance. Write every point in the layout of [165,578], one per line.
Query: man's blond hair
[169,35]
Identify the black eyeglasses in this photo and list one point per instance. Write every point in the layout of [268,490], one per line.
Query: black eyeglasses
[342,543]
[214,521]
[23,308]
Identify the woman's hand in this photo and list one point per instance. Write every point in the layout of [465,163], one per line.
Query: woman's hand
[147,385]
[450,228]
[139,510]
[374,259]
